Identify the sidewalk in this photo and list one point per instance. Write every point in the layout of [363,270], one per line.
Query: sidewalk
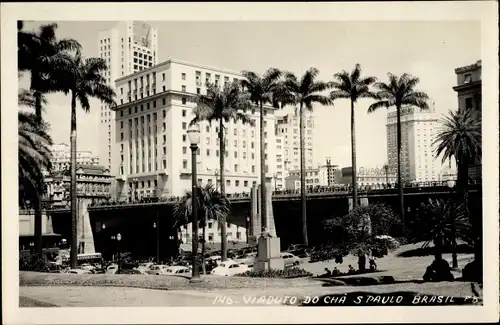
[134,297]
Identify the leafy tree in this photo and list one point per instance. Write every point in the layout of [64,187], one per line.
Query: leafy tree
[262,91]
[212,205]
[82,80]
[351,86]
[399,92]
[220,105]
[303,94]
[440,222]
[358,232]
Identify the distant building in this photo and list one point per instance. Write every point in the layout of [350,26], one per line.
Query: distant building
[469,94]
[128,47]
[378,176]
[92,182]
[288,144]
[61,155]
[213,234]
[320,176]
[153,155]
[418,131]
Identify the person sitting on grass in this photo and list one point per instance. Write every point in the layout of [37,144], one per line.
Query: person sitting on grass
[327,272]
[335,271]
[351,270]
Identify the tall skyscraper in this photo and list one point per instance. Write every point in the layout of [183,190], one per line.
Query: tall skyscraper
[418,131]
[288,146]
[128,47]
[153,156]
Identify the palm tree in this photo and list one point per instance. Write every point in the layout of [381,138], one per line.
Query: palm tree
[262,91]
[34,160]
[42,54]
[212,205]
[82,80]
[460,139]
[303,94]
[399,92]
[351,86]
[220,105]
[440,222]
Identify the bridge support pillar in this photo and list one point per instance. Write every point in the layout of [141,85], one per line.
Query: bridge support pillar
[255,214]
[84,228]
[363,201]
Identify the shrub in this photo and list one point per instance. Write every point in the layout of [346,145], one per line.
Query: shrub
[293,272]
[33,262]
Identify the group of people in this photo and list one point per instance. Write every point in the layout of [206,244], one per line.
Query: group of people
[351,269]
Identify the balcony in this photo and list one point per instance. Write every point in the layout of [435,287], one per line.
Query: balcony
[141,89]
[135,91]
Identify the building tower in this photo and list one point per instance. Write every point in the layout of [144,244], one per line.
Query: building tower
[418,131]
[288,146]
[468,89]
[128,47]
[152,118]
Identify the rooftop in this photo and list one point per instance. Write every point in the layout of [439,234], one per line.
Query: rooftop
[195,65]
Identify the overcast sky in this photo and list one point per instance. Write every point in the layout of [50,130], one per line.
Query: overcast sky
[429,50]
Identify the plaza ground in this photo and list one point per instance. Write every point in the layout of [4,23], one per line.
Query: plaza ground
[153,291]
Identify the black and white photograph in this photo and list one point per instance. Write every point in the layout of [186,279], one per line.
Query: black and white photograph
[222,155]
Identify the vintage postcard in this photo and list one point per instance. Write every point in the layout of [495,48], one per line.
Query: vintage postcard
[260,159]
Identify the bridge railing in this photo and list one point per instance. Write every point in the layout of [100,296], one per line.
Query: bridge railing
[245,196]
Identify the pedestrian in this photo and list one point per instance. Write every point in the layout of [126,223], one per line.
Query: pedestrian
[351,270]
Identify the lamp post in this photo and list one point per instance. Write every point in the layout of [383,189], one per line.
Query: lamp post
[275,178]
[194,138]
[119,238]
[134,194]
[156,225]
[454,262]
[247,226]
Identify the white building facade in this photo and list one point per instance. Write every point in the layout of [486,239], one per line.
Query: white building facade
[288,146]
[61,157]
[128,47]
[153,155]
[234,233]
[418,131]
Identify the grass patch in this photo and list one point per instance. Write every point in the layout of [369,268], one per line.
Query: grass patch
[160,282]
[287,273]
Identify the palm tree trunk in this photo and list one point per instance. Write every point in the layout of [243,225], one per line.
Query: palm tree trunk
[38,225]
[438,249]
[400,181]
[353,162]
[74,239]
[263,187]
[303,177]
[38,202]
[222,149]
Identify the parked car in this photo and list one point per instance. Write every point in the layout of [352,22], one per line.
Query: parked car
[157,269]
[76,271]
[216,258]
[290,259]
[247,259]
[143,267]
[87,266]
[229,268]
[296,247]
[130,271]
[112,268]
[177,270]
